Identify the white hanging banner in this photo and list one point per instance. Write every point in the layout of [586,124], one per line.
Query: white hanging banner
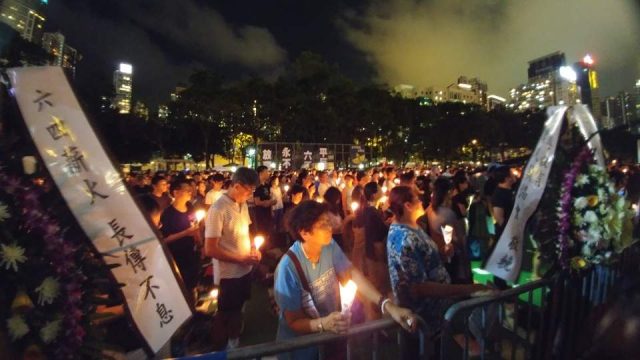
[96,194]
[506,259]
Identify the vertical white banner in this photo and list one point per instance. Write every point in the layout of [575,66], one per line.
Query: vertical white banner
[97,196]
[506,259]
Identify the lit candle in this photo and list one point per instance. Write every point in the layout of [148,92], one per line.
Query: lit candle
[354,206]
[396,181]
[200,215]
[213,294]
[319,200]
[258,241]
[384,189]
[338,181]
[286,188]
[383,199]
[342,186]
[347,294]
[317,178]
[447,232]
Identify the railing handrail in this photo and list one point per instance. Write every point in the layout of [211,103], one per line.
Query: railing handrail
[304,341]
[476,302]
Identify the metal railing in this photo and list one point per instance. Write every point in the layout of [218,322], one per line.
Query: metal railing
[457,342]
[544,319]
[369,329]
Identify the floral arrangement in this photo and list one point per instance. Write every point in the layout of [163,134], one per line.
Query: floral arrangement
[48,275]
[594,221]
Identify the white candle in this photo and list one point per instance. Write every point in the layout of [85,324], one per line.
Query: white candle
[286,188]
[447,232]
[384,189]
[354,206]
[29,164]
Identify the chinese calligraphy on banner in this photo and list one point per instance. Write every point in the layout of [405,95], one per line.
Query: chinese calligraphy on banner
[96,194]
[286,156]
[506,259]
[307,153]
[268,154]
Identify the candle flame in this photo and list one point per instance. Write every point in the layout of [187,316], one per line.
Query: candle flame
[384,189]
[354,206]
[347,294]
[286,188]
[319,200]
[214,294]
[200,215]
[258,241]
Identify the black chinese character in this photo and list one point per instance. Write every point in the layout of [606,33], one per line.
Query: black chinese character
[513,244]
[518,211]
[75,160]
[91,185]
[134,258]
[165,315]
[506,262]
[57,129]
[149,287]
[119,232]
[41,99]
[523,194]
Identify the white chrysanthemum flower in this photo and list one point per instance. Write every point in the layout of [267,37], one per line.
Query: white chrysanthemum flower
[50,331]
[590,217]
[11,256]
[582,180]
[17,327]
[581,203]
[48,291]
[4,212]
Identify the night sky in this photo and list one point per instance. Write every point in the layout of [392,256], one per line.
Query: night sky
[413,42]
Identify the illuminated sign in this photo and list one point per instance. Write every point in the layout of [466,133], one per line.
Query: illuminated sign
[465,86]
[126,68]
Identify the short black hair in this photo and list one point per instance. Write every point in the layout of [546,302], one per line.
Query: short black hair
[156,179]
[361,174]
[261,168]
[304,216]
[370,189]
[246,176]
[217,178]
[501,174]
[176,185]
[407,176]
[389,169]
[297,189]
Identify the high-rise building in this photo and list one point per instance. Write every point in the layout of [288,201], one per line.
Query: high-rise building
[123,84]
[176,94]
[620,110]
[550,83]
[465,90]
[64,55]
[141,110]
[587,80]
[637,99]
[25,16]
[495,102]
[163,111]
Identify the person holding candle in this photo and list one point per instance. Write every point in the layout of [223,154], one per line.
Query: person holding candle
[228,242]
[308,278]
[347,190]
[181,233]
[418,278]
[439,215]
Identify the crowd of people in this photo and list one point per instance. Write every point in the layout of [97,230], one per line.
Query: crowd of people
[405,237]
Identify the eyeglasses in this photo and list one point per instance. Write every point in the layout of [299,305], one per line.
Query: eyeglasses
[248,189]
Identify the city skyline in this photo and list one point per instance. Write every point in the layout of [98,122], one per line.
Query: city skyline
[261,43]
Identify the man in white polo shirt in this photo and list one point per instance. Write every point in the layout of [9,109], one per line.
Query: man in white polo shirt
[228,242]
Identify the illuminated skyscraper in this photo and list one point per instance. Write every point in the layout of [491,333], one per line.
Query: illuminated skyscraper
[587,80]
[64,55]
[123,84]
[25,16]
